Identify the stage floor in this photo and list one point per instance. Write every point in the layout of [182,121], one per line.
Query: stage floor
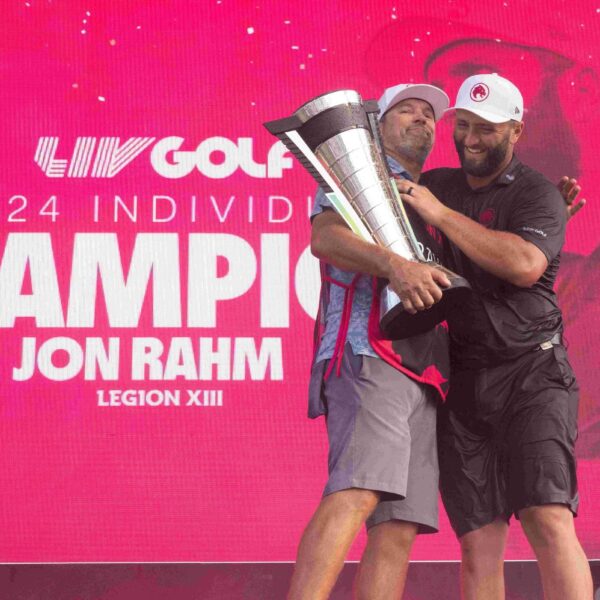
[232,581]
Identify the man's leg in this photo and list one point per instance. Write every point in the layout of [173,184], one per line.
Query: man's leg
[470,487]
[543,476]
[326,541]
[482,566]
[384,564]
[371,412]
[564,568]
[394,524]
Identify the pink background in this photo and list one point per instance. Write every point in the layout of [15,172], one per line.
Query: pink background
[239,482]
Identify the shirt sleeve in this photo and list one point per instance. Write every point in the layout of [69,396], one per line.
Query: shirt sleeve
[320,204]
[539,216]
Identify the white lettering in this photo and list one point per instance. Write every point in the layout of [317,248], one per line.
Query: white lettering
[156,254]
[307,281]
[33,250]
[74,358]
[274,280]
[146,352]
[269,356]
[282,218]
[93,357]
[205,287]
[221,358]
[277,161]
[165,218]
[110,159]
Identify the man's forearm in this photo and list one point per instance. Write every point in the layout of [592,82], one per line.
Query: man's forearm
[336,244]
[418,285]
[501,253]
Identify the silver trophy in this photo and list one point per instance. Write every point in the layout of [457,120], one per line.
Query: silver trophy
[336,138]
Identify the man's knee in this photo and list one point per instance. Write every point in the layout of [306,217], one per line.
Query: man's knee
[354,500]
[483,548]
[392,537]
[546,526]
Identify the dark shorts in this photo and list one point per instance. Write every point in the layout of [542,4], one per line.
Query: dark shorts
[506,439]
[382,437]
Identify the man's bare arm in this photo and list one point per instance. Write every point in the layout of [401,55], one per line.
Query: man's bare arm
[417,285]
[334,242]
[501,253]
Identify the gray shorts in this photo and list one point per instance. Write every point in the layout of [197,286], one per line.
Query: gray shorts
[382,436]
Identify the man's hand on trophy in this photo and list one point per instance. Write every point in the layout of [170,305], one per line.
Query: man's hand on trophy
[570,189]
[422,200]
[418,285]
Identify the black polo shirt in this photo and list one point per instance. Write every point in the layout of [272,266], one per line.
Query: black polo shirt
[502,321]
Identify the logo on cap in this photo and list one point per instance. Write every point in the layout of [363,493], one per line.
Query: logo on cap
[479,92]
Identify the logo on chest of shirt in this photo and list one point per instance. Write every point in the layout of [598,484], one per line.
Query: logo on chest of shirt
[486,217]
[434,233]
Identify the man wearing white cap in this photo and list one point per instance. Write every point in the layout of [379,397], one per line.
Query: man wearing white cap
[380,401]
[506,434]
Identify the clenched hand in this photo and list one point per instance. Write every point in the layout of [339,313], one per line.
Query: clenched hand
[418,285]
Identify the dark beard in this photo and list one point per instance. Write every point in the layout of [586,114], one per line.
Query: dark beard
[493,159]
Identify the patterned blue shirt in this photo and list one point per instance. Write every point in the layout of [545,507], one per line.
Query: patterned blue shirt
[358,336]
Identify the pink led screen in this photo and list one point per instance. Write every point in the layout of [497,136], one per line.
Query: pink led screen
[154,246]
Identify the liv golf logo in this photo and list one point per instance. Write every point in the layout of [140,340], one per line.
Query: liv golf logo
[105,157]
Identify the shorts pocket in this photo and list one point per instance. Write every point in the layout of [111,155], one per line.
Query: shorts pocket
[317,404]
[356,362]
[563,366]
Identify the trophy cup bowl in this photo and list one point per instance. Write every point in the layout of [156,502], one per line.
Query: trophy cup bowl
[335,137]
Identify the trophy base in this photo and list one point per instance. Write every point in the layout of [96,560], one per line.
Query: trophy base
[397,324]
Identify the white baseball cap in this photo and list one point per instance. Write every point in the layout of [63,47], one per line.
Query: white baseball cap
[438,99]
[490,97]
